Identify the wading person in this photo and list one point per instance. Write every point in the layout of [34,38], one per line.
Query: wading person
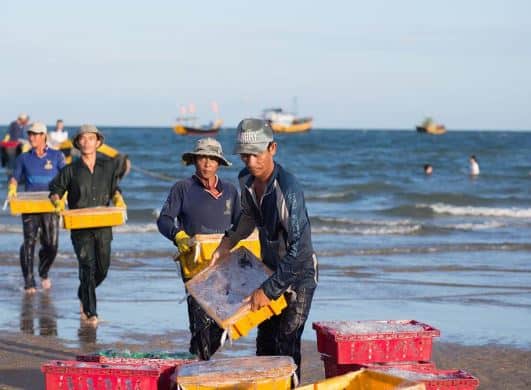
[15,135]
[90,182]
[201,204]
[37,168]
[273,201]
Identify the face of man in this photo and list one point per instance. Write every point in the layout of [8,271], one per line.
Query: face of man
[261,165]
[36,140]
[59,126]
[88,143]
[206,166]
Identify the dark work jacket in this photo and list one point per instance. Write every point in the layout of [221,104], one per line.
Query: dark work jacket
[284,230]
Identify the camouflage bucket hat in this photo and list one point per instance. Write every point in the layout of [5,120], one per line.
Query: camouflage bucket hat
[206,147]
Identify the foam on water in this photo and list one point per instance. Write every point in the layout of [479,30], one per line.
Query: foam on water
[441,208]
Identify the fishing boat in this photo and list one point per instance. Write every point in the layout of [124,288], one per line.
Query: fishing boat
[286,122]
[430,127]
[188,124]
[184,127]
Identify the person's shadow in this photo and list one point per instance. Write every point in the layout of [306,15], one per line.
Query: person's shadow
[38,306]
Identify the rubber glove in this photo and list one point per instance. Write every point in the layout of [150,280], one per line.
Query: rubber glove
[11,190]
[118,200]
[183,242]
[59,206]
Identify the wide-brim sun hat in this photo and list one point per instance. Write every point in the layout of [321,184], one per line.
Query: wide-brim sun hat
[87,129]
[253,136]
[206,147]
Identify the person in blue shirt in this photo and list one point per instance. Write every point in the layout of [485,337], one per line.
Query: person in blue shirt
[15,136]
[273,202]
[201,204]
[37,168]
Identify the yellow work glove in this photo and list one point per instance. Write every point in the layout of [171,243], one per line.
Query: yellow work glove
[183,242]
[6,138]
[118,200]
[11,190]
[57,204]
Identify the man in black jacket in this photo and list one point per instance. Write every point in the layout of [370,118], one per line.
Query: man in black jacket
[90,182]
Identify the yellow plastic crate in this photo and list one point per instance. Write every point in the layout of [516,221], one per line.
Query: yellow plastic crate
[364,380]
[256,372]
[31,202]
[204,246]
[245,320]
[234,316]
[93,217]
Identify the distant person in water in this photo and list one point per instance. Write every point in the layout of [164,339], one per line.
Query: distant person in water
[474,166]
[428,169]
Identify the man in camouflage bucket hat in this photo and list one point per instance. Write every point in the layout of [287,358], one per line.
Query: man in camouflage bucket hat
[273,201]
[90,182]
[201,204]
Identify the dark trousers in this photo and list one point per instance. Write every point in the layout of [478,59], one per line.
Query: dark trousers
[206,333]
[281,335]
[93,251]
[44,227]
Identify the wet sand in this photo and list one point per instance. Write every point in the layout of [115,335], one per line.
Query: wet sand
[21,356]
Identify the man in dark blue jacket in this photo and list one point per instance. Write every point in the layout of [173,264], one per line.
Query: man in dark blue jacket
[201,204]
[273,202]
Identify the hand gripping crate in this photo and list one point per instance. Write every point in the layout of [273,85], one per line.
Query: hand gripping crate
[74,375]
[436,379]
[204,245]
[333,369]
[255,372]
[32,202]
[222,288]
[364,380]
[93,217]
[165,366]
[361,342]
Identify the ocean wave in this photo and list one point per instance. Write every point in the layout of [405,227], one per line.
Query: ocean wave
[136,228]
[478,226]
[443,248]
[345,226]
[332,196]
[441,208]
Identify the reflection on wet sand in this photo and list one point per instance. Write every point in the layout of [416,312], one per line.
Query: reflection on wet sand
[38,306]
[86,333]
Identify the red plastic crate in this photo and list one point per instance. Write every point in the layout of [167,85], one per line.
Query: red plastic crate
[166,367]
[378,347]
[332,368]
[436,379]
[75,375]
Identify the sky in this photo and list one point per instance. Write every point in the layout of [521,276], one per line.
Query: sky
[350,64]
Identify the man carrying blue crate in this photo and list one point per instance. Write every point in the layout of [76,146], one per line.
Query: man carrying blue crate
[90,182]
[273,202]
[200,204]
[36,168]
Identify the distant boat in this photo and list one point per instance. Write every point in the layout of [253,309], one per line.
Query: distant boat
[430,127]
[188,124]
[183,128]
[285,122]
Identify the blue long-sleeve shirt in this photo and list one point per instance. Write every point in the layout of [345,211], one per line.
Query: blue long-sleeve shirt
[284,230]
[190,207]
[38,172]
[17,131]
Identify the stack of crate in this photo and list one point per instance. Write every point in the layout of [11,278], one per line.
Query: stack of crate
[395,346]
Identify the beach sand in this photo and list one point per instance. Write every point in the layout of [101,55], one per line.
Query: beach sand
[21,356]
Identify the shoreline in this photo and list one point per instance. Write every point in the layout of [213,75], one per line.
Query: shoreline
[21,355]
